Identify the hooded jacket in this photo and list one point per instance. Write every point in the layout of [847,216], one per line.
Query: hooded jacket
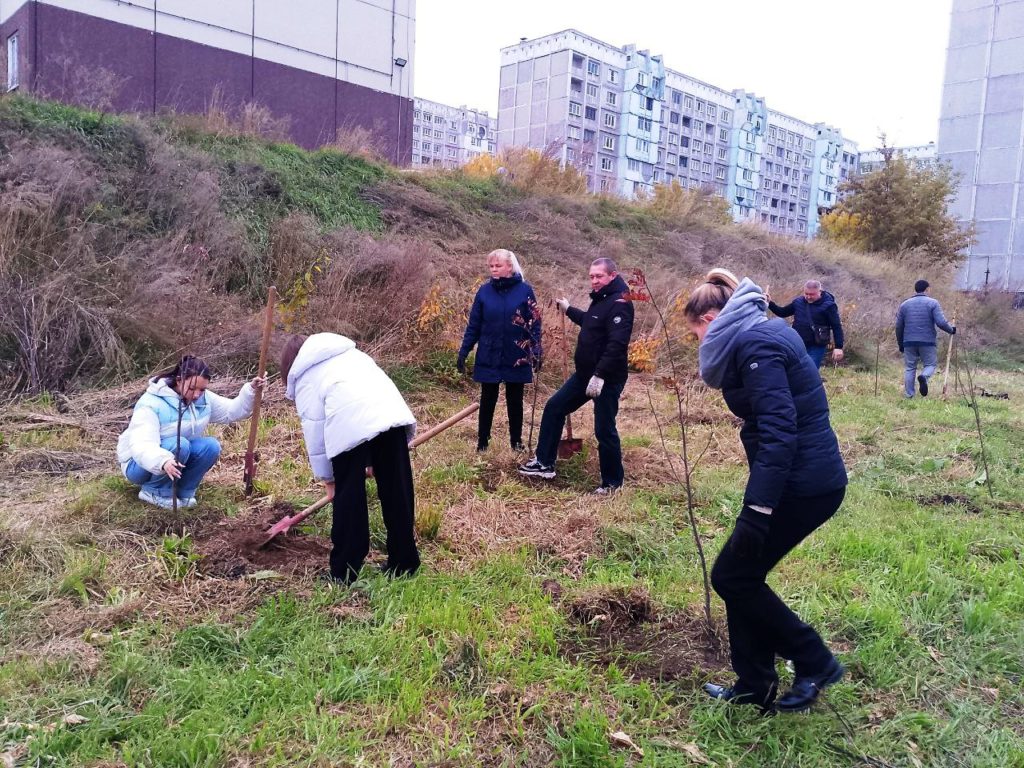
[343,399]
[155,418]
[823,312]
[768,380]
[605,329]
[505,328]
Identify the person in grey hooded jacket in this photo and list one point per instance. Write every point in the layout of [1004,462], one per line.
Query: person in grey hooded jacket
[797,482]
[915,335]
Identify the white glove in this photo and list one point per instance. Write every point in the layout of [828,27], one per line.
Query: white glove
[563,304]
[594,386]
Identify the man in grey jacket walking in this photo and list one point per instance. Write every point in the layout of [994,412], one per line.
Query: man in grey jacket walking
[915,334]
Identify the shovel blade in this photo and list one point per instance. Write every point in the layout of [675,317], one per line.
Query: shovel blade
[569,448]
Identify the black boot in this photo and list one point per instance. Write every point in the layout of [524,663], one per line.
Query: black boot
[740,694]
[805,690]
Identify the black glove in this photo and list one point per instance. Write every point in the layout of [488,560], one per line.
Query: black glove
[460,364]
[749,535]
[953,332]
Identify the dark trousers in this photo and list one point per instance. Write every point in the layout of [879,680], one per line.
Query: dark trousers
[514,405]
[761,626]
[570,398]
[388,454]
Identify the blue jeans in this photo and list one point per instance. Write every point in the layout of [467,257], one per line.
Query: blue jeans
[198,455]
[817,354]
[570,398]
[927,354]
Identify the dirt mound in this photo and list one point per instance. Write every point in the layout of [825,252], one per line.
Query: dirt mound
[231,548]
[621,627]
[950,500]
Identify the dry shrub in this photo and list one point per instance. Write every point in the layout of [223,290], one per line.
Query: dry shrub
[93,87]
[362,142]
[532,170]
[222,118]
[678,206]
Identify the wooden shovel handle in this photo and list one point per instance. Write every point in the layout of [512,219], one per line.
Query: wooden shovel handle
[254,421]
[565,374]
[438,428]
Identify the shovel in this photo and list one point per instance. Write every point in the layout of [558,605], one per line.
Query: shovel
[568,446]
[282,525]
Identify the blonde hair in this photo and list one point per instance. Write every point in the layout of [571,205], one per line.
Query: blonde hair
[509,257]
[712,294]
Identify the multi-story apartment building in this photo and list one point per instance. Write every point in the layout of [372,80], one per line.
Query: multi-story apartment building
[630,123]
[449,137]
[327,65]
[920,156]
[981,135]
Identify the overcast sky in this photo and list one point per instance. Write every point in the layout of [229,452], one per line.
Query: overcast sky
[865,66]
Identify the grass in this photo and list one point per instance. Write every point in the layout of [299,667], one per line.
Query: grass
[465,663]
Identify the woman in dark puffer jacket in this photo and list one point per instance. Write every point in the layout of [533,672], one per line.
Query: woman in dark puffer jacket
[797,481]
[504,325]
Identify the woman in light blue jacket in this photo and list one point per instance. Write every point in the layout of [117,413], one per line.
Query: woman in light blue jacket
[150,452]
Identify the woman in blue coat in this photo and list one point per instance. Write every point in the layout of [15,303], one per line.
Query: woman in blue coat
[504,326]
[797,481]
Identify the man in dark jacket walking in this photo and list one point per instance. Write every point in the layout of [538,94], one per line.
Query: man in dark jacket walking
[815,317]
[601,369]
[915,335]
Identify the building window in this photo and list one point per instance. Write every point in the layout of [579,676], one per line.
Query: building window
[726,115]
[613,76]
[643,145]
[609,119]
[683,161]
[633,165]
[452,138]
[697,146]
[570,153]
[700,105]
[649,103]
[698,126]
[772,133]
[672,159]
[767,184]
[588,134]
[688,102]
[645,123]
[575,109]
[712,111]
[673,139]
[641,79]
[451,151]
[748,175]
[426,146]
[608,142]
[591,113]
[574,132]
[415,129]
[415,144]
[438,134]
[593,67]
[610,98]
[673,117]
[723,135]
[606,165]
[591,90]
[677,98]
[721,153]
[416,114]
[684,141]
[438,119]
[706,167]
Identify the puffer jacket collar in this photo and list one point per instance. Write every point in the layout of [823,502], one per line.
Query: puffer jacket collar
[315,350]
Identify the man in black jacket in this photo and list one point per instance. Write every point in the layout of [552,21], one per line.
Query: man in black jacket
[815,317]
[601,368]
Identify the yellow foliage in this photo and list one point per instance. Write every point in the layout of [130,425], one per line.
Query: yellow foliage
[849,229]
[439,320]
[643,352]
[530,169]
[677,204]
[295,300]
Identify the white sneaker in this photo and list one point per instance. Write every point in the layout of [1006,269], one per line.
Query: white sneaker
[164,502]
[187,502]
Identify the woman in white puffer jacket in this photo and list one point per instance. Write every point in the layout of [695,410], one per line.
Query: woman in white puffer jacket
[353,417]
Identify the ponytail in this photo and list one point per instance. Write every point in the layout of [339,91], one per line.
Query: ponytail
[712,294]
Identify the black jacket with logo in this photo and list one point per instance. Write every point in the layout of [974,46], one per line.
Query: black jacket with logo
[605,329]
